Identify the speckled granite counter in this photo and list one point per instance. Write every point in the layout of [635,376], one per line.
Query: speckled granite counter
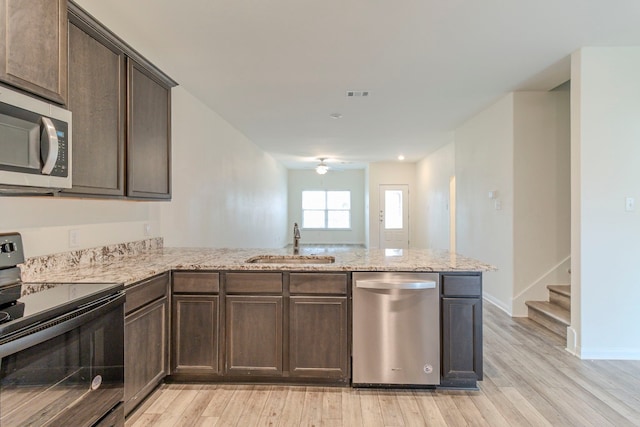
[153,259]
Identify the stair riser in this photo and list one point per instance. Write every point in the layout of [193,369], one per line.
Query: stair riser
[553,325]
[559,299]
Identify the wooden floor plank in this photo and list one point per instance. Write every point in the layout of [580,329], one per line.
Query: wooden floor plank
[192,413]
[370,406]
[312,407]
[272,410]
[351,408]
[390,409]
[449,410]
[144,420]
[488,410]
[331,404]
[221,397]
[292,411]
[469,411]
[233,410]
[253,406]
[429,409]
[409,409]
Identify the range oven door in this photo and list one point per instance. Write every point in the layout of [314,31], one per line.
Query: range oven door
[68,371]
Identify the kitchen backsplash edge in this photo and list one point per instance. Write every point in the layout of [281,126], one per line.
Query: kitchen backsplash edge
[34,267]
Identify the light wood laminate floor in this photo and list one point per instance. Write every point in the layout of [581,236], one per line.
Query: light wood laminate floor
[529,380]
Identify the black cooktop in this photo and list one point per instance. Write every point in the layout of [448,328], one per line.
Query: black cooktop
[45,301]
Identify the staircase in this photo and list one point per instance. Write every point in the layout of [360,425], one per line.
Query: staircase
[554,314]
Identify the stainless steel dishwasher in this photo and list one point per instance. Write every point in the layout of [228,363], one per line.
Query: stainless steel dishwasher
[396,329]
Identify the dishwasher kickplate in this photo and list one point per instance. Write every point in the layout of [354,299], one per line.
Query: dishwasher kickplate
[396,329]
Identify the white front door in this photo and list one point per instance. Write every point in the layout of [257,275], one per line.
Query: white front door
[394,216]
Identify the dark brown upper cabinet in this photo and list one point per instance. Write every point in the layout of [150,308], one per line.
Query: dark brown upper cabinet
[33,47]
[148,135]
[121,105]
[97,99]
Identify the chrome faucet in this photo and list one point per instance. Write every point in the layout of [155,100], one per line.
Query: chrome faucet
[296,239]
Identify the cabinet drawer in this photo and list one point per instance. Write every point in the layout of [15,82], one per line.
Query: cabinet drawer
[145,292]
[196,282]
[318,283]
[254,283]
[454,285]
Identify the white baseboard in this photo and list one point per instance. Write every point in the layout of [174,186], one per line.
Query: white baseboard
[497,303]
[609,353]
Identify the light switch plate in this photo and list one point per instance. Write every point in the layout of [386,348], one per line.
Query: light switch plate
[630,204]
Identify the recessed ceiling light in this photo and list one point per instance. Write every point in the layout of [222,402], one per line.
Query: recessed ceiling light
[400,157]
[335,116]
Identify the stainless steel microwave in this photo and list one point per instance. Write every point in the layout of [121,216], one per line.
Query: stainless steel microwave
[35,145]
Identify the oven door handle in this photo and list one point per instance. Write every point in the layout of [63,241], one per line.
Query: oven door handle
[47,330]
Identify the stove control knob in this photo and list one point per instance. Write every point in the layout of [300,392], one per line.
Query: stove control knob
[8,247]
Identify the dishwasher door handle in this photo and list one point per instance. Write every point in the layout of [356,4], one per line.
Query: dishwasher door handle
[396,284]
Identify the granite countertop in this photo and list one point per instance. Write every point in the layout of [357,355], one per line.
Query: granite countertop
[129,269]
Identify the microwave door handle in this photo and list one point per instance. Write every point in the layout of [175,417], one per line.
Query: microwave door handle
[49,149]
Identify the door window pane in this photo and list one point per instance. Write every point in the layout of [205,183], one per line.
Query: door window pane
[393,209]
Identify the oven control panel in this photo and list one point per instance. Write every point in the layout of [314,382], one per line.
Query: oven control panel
[11,252]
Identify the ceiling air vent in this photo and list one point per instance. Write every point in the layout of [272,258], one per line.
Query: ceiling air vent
[356,93]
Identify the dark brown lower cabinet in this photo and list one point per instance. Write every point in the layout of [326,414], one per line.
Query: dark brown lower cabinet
[146,339]
[195,334]
[254,335]
[461,331]
[318,339]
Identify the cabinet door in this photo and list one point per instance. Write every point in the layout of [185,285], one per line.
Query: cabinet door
[318,337]
[195,334]
[145,352]
[461,341]
[254,335]
[97,99]
[149,135]
[33,46]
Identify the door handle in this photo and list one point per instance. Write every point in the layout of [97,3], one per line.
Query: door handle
[49,147]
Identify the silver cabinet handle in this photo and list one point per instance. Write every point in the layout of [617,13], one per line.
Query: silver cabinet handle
[49,150]
[395,284]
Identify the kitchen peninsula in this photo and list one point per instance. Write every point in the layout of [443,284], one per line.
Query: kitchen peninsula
[203,314]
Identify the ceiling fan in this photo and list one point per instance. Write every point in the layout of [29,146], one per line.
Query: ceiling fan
[322,167]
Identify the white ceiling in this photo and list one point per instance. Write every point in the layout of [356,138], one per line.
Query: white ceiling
[276,69]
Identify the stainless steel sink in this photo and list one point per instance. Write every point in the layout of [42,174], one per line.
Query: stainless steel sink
[291,259]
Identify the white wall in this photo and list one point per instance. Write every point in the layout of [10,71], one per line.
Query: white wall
[226,191]
[352,180]
[45,222]
[433,174]
[542,195]
[605,151]
[484,162]
[389,173]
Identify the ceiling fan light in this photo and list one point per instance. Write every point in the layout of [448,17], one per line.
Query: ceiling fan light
[321,169]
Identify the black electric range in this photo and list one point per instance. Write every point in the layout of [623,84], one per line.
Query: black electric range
[61,348]
[45,301]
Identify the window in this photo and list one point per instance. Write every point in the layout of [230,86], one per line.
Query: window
[326,209]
